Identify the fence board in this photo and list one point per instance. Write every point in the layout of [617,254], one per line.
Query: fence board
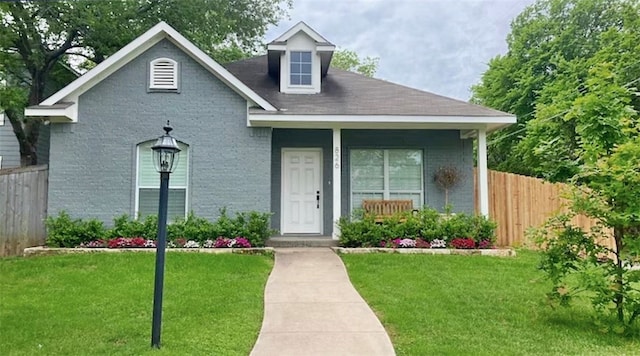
[518,203]
[23,208]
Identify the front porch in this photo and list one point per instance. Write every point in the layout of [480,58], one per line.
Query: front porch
[308,198]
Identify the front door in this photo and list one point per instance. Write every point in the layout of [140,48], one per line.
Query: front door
[301,183]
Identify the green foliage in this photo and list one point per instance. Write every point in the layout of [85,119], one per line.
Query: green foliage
[579,267]
[363,230]
[569,62]
[124,226]
[62,231]
[349,60]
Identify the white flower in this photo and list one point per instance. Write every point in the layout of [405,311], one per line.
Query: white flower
[191,244]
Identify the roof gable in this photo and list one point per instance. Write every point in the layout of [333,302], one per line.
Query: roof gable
[301,27]
[162,30]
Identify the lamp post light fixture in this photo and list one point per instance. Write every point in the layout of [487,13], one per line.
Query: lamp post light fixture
[165,157]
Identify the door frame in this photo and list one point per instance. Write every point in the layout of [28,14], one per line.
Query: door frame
[282,200]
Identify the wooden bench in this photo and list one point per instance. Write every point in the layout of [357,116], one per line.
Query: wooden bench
[382,209]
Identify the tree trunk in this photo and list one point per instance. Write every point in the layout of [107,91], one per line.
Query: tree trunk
[618,234]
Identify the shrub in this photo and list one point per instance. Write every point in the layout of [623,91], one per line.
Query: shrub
[428,225]
[62,231]
[124,226]
[192,228]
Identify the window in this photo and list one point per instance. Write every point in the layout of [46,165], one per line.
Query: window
[163,74]
[300,68]
[394,174]
[148,189]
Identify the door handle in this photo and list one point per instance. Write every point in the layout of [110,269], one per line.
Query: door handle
[317,199]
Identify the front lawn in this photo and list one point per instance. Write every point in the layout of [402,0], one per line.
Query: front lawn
[101,304]
[474,305]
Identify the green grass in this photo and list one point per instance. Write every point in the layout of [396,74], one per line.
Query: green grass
[100,304]
[475,305]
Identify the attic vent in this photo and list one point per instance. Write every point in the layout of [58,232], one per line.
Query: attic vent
[163,74]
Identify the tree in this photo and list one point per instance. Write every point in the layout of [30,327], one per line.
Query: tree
[35,35]
[570,75]
[551,48]
[608,185]
[349,60]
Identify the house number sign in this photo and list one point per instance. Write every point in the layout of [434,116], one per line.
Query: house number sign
[336,157]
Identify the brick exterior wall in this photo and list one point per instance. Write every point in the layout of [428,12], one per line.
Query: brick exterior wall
[93,162]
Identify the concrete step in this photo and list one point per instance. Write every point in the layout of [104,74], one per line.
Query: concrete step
[301,241]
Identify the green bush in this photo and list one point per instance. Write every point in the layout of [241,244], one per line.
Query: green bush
[192,228]
[62,231]
[362,230]
[124,226]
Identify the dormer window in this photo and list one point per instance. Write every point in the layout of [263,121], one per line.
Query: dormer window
[163,74]
[301,68]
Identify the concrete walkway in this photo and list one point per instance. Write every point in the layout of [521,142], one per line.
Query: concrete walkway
[311,308]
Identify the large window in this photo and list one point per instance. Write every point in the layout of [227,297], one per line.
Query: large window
[148,189]
[394,174]
[300,68]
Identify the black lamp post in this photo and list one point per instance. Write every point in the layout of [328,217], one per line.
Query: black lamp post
[165,157]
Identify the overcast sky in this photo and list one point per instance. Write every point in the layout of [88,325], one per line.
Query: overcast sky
[442,46]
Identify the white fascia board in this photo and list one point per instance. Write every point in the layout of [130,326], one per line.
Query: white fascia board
[325,48]
[55,114]
[138,46]
[276,47]
[381,122]
[301,26]
[2,118]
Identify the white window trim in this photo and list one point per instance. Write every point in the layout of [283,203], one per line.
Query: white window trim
[386,193]
[138,186]
[152,82]
[2,115]
[291,85]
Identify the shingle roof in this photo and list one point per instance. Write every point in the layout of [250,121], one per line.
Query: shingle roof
[347,93]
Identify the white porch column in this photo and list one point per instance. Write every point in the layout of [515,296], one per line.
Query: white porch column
[336,181]
[483,180]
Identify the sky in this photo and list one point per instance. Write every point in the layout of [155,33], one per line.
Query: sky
[441,46]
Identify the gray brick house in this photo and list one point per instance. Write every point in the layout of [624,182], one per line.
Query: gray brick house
[281,133]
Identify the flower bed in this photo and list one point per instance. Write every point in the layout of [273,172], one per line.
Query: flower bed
[245,230]
[425,229]
[140,242]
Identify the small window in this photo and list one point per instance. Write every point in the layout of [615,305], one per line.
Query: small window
[148,189]
[163,74]
[300,68]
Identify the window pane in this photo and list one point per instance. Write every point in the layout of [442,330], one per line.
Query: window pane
[367,170]
[149,199]
[405,170]
[357,198]
[295,68]
[295,79]
[407,196]
[305,57]
[305,79]
[295,56]
[305,68]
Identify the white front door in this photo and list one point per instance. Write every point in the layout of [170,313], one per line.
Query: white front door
[301,193]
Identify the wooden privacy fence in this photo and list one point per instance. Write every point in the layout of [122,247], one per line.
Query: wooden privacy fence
[23,208]
[518,203]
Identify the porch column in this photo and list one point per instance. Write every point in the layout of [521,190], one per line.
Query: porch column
[337,181]
[483,181]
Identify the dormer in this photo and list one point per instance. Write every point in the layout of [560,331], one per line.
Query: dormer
[299,60]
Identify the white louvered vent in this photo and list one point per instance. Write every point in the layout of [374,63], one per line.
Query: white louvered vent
[163,74]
